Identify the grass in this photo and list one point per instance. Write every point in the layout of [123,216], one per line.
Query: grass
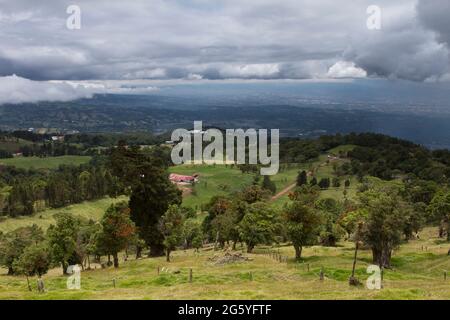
[89,210]
[416,274]
[224,180]
[45,163]
[13,145]
[213,180]
[342,148]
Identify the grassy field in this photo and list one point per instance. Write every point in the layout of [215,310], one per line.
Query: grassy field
[213,180]
[222,180]
[323,169]
[45,163]
[89,210]
[13,145]
[416,274]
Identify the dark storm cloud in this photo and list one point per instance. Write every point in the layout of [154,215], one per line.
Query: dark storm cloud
[223,39]
[435,15]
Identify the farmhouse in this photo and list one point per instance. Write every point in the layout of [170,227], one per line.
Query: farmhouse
[181,179]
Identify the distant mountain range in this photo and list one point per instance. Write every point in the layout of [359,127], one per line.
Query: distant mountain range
[161,113]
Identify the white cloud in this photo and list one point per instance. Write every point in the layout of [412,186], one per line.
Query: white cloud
[250,71]
[14,89]
[156,73]
[345,69]
[194,76]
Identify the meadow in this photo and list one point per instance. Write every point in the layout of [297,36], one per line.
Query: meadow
[223,180]
[44,163]
[418,266]
[13,145]
[417,273]
[213,180]
[89,210]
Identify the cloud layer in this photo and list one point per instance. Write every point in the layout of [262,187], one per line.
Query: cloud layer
[224,39]
[15,89]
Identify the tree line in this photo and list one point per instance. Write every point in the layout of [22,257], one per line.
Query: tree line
[29,191]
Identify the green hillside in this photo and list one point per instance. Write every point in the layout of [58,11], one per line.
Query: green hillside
[89,210]
[416,274]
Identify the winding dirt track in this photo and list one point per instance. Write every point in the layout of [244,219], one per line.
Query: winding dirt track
[283,192]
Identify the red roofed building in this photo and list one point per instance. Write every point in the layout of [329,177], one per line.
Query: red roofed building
[178,178]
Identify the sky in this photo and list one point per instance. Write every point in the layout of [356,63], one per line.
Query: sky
[134,46]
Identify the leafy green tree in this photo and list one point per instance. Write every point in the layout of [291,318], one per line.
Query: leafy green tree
[336,182]
[352,219]
[302,178]
[324,183]
[146,178]
[192,233]
[86,244]
[385,223]
[330,210]
[256,179]
[35,260]
[218,205]
[62,239]
[439,209]
[117,230]
[237,211]
[258,225]
[223,218]
[268,184]
[222,226]
[330,206]
[306,194]
[14,243]
[415,219]
[420,190]
[254,194]
[331,232]
[171,226]
[302,225]
[347,183]
[151,196]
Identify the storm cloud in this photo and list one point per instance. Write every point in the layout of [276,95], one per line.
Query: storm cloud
[224,39]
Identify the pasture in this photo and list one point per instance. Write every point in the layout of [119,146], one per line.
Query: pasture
[417,273]
[44,163]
